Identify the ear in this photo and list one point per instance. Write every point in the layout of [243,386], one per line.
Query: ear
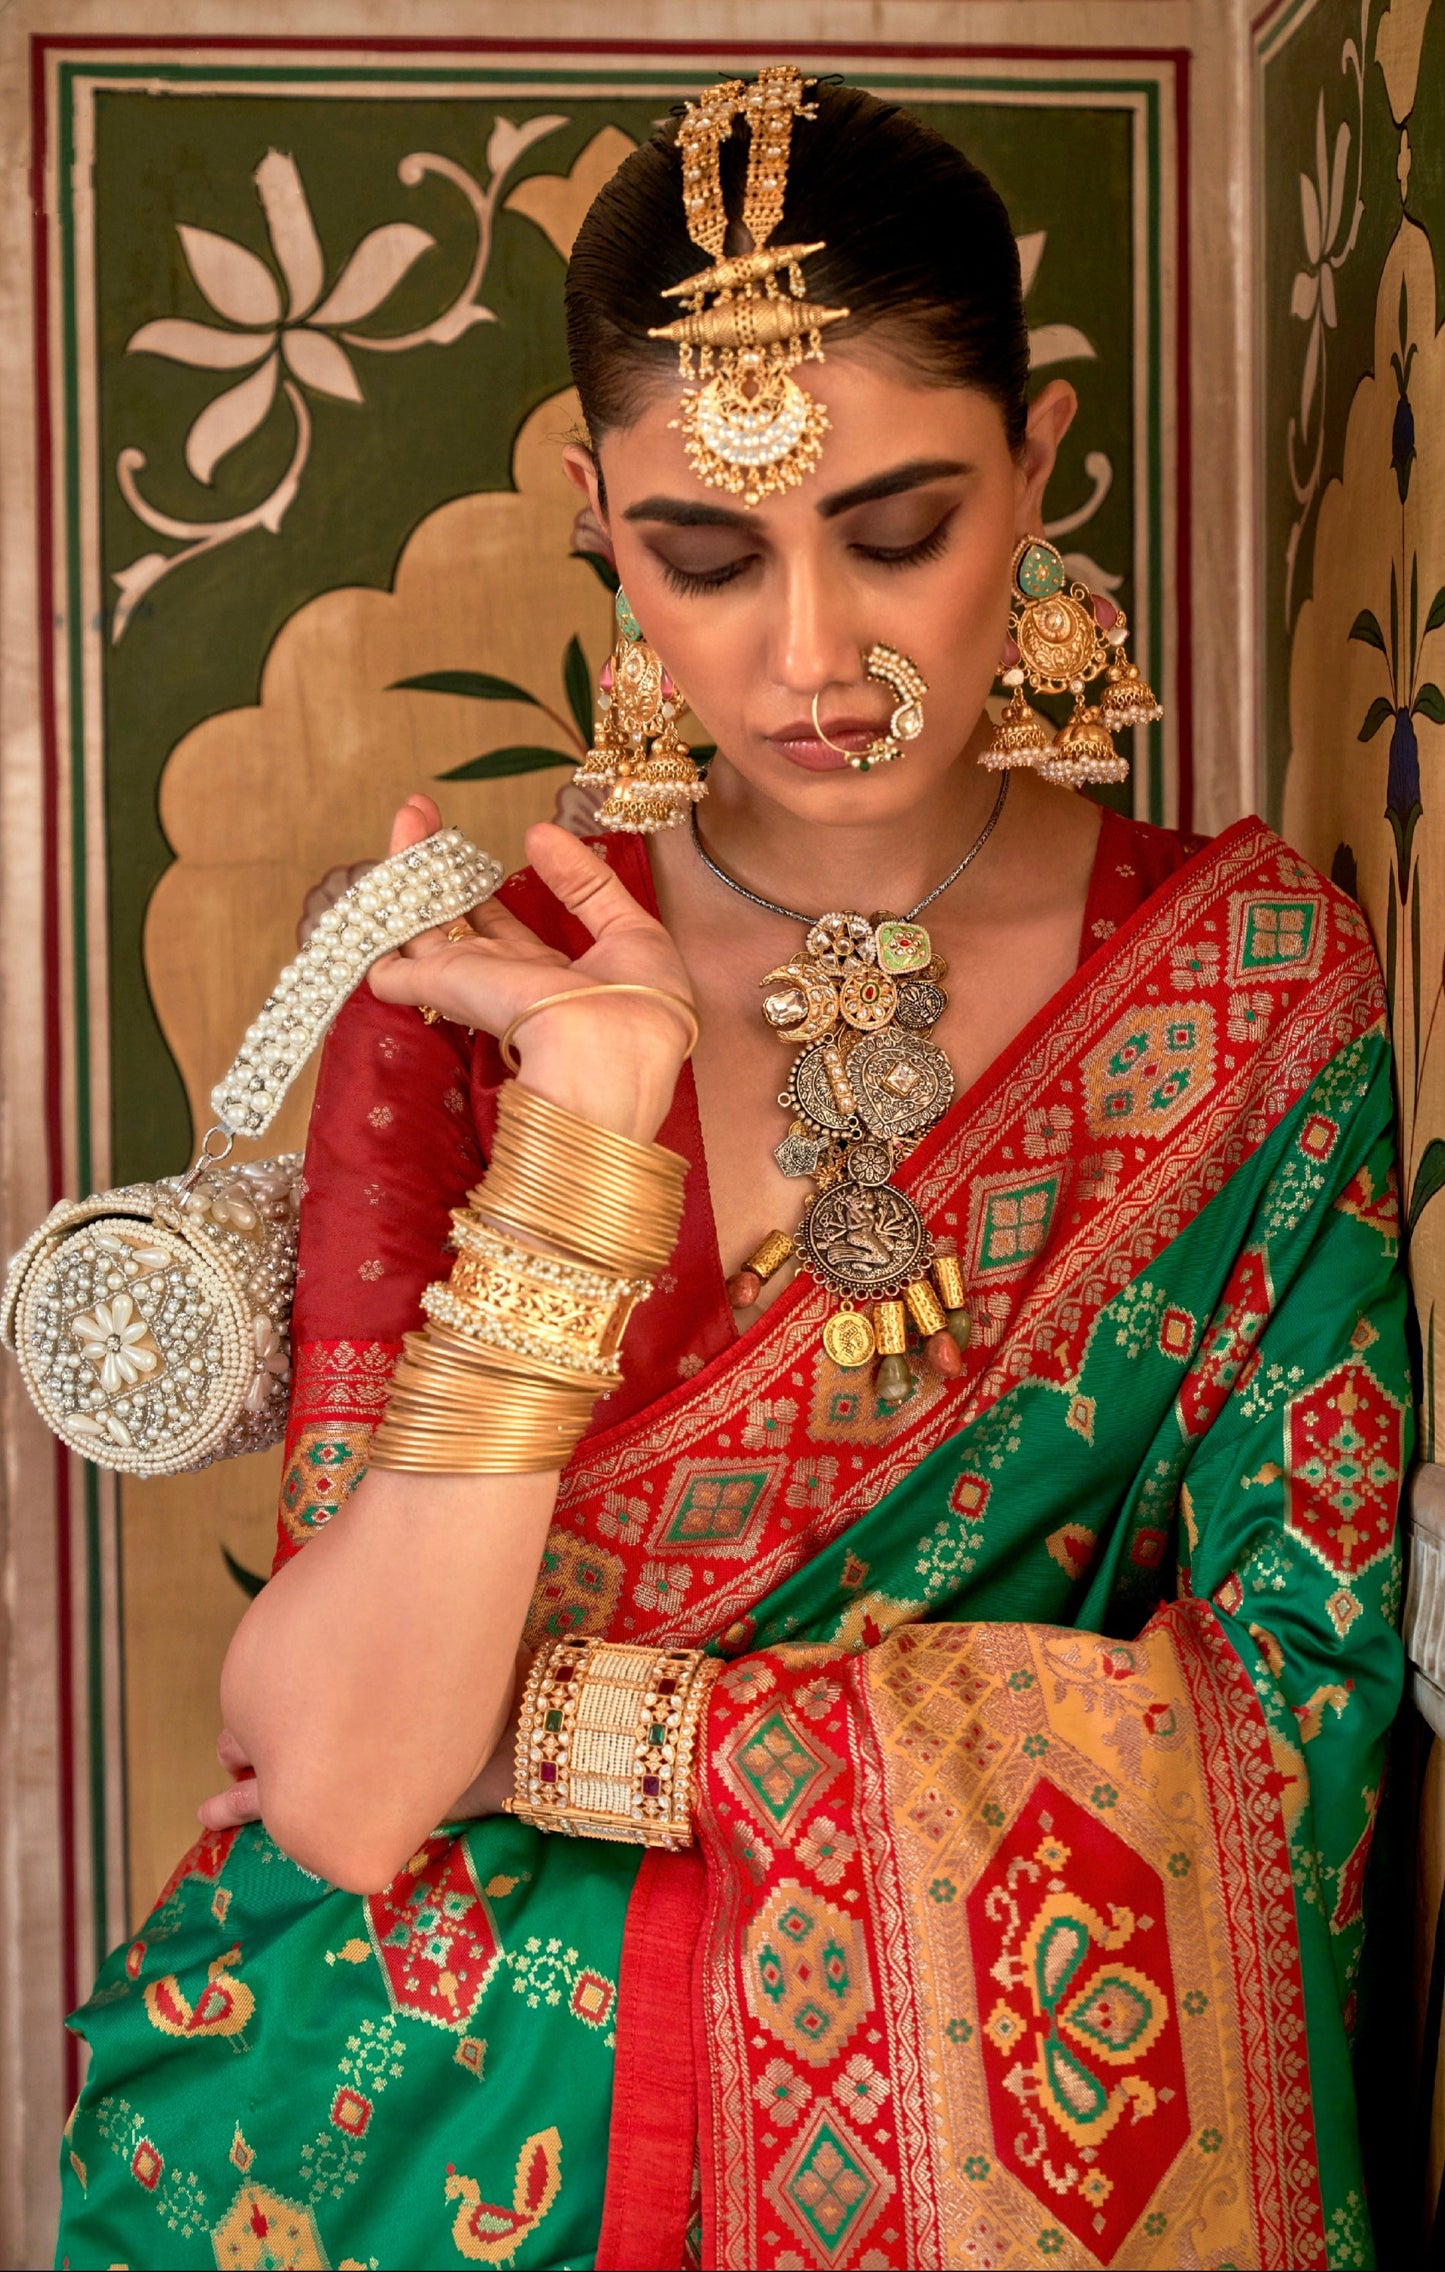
[1051,414]
[589,530]
[580,467]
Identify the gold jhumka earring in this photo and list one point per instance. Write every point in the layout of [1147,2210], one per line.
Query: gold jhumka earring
[1065,637]
[747,425]
[637,754]
[908,685]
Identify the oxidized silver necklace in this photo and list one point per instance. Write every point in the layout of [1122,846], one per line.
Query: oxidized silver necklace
[858,1003]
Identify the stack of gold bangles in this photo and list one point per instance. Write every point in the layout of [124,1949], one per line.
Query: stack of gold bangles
[555,1249]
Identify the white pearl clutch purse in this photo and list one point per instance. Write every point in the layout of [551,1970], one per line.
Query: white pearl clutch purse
[152,1324]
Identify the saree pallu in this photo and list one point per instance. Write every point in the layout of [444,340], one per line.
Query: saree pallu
[1037,1790]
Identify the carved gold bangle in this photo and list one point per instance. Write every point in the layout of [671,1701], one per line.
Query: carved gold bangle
[606,1741]
[676,1002]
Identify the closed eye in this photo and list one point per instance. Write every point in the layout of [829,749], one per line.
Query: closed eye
[928,547]
[690,580]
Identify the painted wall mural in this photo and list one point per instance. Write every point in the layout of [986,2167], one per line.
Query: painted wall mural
[314,549]
[1351,114]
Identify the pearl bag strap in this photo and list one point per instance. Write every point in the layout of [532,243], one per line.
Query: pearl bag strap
[420,889]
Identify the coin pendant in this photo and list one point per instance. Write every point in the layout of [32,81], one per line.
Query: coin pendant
[869,1159]
[864,1239]
[901,1082]
[920,1004]
[814,1092]
[840,941]
[867,999]
[902,947]
[800,1151]
[848,1339]
[936,969]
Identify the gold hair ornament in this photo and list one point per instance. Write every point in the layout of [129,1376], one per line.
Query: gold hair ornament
[908,684]
[747,425]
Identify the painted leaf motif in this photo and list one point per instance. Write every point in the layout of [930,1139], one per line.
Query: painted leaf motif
[1436,615]
[1310,374]
[1375,717]
[293,232]
[1310,213]
[1327,295]
[1366,628]
[1429,1178]
[1337,183]
[578,681]
[202,345]
[1303,295]
[374,270]
[228,421]
[507,140]
[479,686]
[1430,703]
[321,365]
[498,763]
[1058,343]
[1031,252]
[238,285]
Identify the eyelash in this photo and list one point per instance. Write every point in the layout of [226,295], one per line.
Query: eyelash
[908,556]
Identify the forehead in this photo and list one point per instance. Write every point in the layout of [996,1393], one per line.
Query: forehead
[879,413]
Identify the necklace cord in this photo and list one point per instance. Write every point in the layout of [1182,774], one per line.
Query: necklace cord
[772,906]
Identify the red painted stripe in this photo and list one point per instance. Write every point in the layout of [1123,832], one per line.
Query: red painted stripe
[906,51]
[54,1040]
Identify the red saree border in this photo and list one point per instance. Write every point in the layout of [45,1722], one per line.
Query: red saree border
[1267,1036]
[653,2132]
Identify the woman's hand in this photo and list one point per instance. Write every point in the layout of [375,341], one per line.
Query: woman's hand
[615,1063]
[487,1793]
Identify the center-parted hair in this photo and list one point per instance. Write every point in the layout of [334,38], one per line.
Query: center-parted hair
[917,245]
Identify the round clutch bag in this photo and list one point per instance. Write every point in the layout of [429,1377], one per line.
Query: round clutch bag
[152,1324]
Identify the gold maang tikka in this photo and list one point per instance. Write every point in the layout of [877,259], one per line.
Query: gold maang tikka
[747,425]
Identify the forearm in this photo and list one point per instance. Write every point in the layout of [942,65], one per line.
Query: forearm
[369,1683]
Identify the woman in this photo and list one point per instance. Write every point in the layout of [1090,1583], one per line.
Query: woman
[1014,1431]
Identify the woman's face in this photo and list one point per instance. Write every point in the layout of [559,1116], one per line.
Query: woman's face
[903,534]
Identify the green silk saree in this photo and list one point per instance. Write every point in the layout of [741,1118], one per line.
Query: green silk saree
[1026,1909]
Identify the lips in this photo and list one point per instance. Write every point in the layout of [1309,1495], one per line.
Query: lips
[800,744]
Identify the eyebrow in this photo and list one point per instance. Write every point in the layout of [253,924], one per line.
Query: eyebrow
[685,513]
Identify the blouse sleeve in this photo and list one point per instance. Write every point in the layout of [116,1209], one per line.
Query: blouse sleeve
[391,1149]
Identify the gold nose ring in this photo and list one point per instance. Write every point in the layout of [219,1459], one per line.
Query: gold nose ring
[908,684]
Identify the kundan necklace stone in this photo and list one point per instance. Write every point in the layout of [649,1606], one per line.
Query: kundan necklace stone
[858,1003]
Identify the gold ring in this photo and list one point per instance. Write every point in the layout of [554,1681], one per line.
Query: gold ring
[456,932]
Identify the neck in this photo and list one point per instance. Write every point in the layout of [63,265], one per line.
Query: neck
[869,864]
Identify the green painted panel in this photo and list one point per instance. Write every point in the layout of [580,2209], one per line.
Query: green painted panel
[438,422]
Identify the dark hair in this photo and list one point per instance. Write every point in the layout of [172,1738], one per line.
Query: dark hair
[917,240]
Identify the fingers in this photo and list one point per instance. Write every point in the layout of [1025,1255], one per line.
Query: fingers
[231,1753]
[585,885]
[241,1802]
[417,819]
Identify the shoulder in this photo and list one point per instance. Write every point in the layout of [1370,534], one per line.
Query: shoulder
[1143,854]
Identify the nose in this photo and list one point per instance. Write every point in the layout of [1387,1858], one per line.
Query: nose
[814,640]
